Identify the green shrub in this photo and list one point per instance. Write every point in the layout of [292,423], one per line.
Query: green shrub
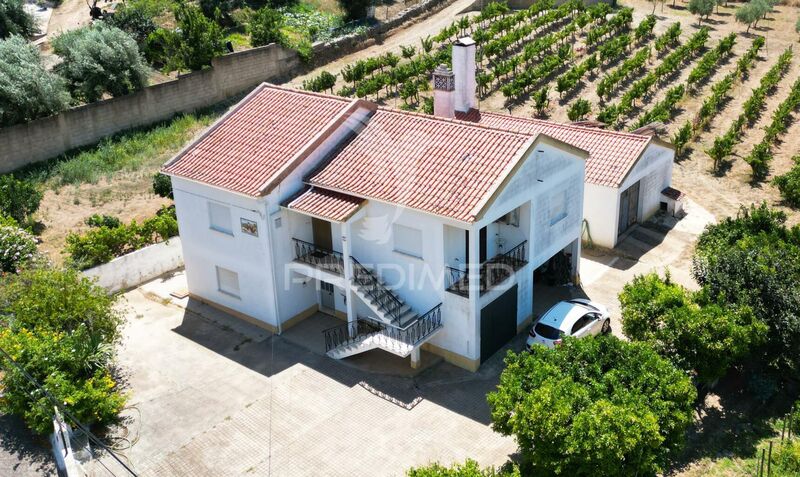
[14,20]
[162,185]
[201,39]
[753,260]
[593,406]
[786,458]
[19,199]
[102,244]
[27,89]
[161,49]
[100,59]
[324,81]
[696,335]
[17,248]
[470,468]
[265,27]
[61,328]
[355,9]
[134,18]
[96,220]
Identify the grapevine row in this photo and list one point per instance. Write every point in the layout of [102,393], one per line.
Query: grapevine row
[719,95]
[611,113]
[751,110]
[761,154]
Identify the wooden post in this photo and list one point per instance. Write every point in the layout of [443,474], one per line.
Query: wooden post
[769,460]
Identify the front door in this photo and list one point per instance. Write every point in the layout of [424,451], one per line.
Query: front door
[628,208]
[322,233]
[326,295]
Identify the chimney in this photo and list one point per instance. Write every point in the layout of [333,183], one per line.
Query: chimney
[444,92]
[464,69]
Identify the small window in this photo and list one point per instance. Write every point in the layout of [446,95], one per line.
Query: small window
[220,218]
[228,281]
[408,240]
[558,207]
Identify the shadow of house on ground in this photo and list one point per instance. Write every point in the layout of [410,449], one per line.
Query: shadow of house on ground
[446,385]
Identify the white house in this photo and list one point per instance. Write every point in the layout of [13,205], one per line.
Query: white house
[420,231]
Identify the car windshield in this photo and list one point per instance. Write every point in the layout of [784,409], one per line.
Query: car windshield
[547,331]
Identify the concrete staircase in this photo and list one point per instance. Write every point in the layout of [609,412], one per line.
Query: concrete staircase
[376,340]
[387,306]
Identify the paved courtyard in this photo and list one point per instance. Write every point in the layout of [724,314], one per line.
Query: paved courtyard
[211,395]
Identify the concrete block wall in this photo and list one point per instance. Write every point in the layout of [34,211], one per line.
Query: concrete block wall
[229,75]
[138,267]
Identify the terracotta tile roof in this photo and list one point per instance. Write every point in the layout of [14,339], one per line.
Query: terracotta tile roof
[673,194]
[255,141]
[326,204]
[440,166]
[612,153]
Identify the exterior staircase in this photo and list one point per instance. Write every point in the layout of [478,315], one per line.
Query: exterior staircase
[396,327]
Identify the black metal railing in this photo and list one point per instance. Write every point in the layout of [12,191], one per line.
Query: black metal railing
[493,271]
[319,257]
[382,297]
[456,281]
[348,333]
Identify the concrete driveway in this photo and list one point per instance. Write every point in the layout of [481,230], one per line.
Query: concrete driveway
[211,395]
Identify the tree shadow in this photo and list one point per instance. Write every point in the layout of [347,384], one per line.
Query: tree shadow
[31,452]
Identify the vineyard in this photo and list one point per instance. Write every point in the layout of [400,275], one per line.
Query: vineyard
[623,67]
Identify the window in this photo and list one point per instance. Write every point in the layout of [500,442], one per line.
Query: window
[511,218]
[228,281]
[581,323]
[408,240]
[220,218]
[558,206]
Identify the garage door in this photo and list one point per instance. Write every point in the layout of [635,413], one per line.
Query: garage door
[498,323]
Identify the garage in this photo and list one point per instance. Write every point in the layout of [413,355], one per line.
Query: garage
[498,323]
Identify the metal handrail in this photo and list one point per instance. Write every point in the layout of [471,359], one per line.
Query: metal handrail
[492,271]
[385,300]
[347,333]
[323,258]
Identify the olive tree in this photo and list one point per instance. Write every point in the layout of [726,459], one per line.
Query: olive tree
[701,8]
[593,406]
[27,90]
[750,13]
[14,20]
[100,59]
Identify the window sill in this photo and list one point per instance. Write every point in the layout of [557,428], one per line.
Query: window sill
[406,254]
[557,219]
[229,233]
[226,293]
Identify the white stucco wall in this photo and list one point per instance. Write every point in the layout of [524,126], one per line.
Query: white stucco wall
[204,249]
[138,267]
[601,204]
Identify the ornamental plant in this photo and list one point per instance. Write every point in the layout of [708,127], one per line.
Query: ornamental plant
[17,248]
[594,406]
[61,328]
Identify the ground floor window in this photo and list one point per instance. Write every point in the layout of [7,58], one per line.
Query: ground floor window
[228,281]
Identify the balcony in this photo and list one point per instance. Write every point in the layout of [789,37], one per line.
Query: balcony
[492,272]
[319,257]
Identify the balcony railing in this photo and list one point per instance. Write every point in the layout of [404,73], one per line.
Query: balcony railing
[319,257]
[348,333]
[492,272]
[412,334]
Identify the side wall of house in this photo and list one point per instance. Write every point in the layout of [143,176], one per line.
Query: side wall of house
[205,249]
[653,171]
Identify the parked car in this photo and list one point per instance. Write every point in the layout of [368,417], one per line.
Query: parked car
[578,318]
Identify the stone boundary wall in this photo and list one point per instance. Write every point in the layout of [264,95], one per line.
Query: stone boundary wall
[229,75]
[138,267]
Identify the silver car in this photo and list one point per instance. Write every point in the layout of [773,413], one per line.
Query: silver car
[576,318]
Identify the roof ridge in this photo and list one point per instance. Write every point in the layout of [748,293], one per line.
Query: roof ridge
[305,92]
[570,126]
[455,121]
